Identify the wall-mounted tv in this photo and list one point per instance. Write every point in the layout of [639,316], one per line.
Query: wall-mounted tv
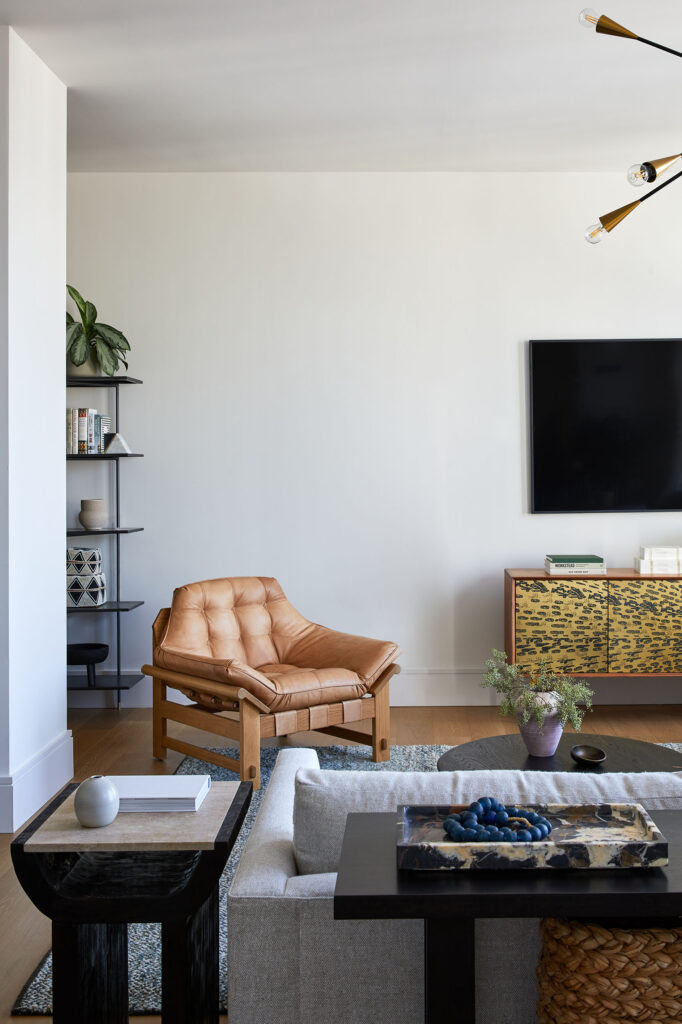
[606,425]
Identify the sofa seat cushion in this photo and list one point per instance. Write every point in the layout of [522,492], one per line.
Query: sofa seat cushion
[323,799]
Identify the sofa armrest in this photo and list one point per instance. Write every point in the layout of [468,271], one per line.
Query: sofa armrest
[319,647]
[267,862]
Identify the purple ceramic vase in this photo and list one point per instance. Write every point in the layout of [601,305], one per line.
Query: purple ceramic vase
[542,744]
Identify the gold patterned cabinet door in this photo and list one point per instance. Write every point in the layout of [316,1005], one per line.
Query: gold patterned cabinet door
[645,626]
[564,623]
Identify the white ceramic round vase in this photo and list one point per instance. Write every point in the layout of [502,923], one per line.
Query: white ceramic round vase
[96,802]
[93,513]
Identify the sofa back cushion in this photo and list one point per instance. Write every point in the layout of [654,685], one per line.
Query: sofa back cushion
[323,799]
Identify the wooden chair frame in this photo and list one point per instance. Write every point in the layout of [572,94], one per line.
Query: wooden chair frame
[255,720]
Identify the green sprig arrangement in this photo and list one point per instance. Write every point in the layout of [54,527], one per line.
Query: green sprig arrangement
[522,692]
[103,342]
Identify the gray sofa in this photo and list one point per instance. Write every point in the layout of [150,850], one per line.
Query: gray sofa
[290,962]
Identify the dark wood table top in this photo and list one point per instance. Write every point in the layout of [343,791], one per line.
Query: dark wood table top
[509,752]
[369,885]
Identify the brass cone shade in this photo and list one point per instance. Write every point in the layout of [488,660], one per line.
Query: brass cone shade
[662,165]
[612,28]
[609,220]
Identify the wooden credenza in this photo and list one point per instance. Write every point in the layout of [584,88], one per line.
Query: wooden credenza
[620,624]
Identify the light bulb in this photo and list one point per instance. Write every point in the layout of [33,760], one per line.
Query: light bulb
[652,170]
[588,18]
[638,174]
[595,233]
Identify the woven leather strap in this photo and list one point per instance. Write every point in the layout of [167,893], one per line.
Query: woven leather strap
[589,974]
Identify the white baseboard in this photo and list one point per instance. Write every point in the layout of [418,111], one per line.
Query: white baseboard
[439,687]
[38,779]
[460,687]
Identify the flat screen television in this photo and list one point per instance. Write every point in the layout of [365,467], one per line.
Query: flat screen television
[606,425]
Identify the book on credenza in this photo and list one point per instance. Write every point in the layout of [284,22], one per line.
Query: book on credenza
[657,566]
[161,792]
[575,565]
[661,554]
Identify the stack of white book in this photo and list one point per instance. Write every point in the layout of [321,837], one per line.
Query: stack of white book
[659,560]
[575,565]
[161,792]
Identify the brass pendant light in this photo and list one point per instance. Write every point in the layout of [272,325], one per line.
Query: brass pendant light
[639,174]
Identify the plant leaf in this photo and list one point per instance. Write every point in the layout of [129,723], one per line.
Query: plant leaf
[106,358]
[90,313]
[113,336]
[69,319]
[78,299]
[73,332]
[79,349]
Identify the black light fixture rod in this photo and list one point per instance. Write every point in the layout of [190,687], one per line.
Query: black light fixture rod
[663,184]
[659,46]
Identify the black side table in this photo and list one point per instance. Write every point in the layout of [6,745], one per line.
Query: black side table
[509,752]
[143,867]
[369,886]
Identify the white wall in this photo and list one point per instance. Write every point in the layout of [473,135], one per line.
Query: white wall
[334,389]
[35,746]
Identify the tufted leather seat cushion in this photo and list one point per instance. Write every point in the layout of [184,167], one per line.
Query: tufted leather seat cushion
[243,631]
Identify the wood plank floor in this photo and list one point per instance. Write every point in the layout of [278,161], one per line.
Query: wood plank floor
[116,742]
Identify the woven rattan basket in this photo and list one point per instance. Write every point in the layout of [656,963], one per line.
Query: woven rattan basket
[591,974]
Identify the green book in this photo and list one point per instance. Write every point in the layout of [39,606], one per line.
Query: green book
[572,559]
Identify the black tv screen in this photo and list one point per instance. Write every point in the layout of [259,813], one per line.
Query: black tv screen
[606,425]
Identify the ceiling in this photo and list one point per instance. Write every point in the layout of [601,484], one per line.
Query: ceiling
[357,84]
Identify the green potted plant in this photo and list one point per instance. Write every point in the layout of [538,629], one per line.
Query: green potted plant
[92,348]
[543,701]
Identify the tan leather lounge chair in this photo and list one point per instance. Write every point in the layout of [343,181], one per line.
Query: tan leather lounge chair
[238,645]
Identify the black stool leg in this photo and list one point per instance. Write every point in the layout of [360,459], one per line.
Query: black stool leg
[90,973]
[190,966]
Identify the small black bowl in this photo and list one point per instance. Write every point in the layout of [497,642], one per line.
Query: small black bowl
[88,655]
[584,754]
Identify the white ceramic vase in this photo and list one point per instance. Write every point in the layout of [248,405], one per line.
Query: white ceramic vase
[96,802]
[93,513]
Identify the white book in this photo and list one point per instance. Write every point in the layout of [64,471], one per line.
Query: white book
[587,571]
[92,447]
[69,437]
[577,569]
[654,554]
[74,431]
[161,792]
[648,566]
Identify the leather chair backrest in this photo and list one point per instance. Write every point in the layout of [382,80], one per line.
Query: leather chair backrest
[247,618]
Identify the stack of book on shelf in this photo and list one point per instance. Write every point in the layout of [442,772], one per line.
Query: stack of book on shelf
[161,792]
[575,565]
[659,560]
[85,430]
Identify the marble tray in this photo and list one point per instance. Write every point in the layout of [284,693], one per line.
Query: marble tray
[583,836]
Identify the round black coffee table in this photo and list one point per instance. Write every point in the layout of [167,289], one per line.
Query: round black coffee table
[509,752]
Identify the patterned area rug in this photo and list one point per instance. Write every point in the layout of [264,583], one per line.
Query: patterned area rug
[144,940]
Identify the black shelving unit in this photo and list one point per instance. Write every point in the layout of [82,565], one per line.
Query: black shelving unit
[118,680]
